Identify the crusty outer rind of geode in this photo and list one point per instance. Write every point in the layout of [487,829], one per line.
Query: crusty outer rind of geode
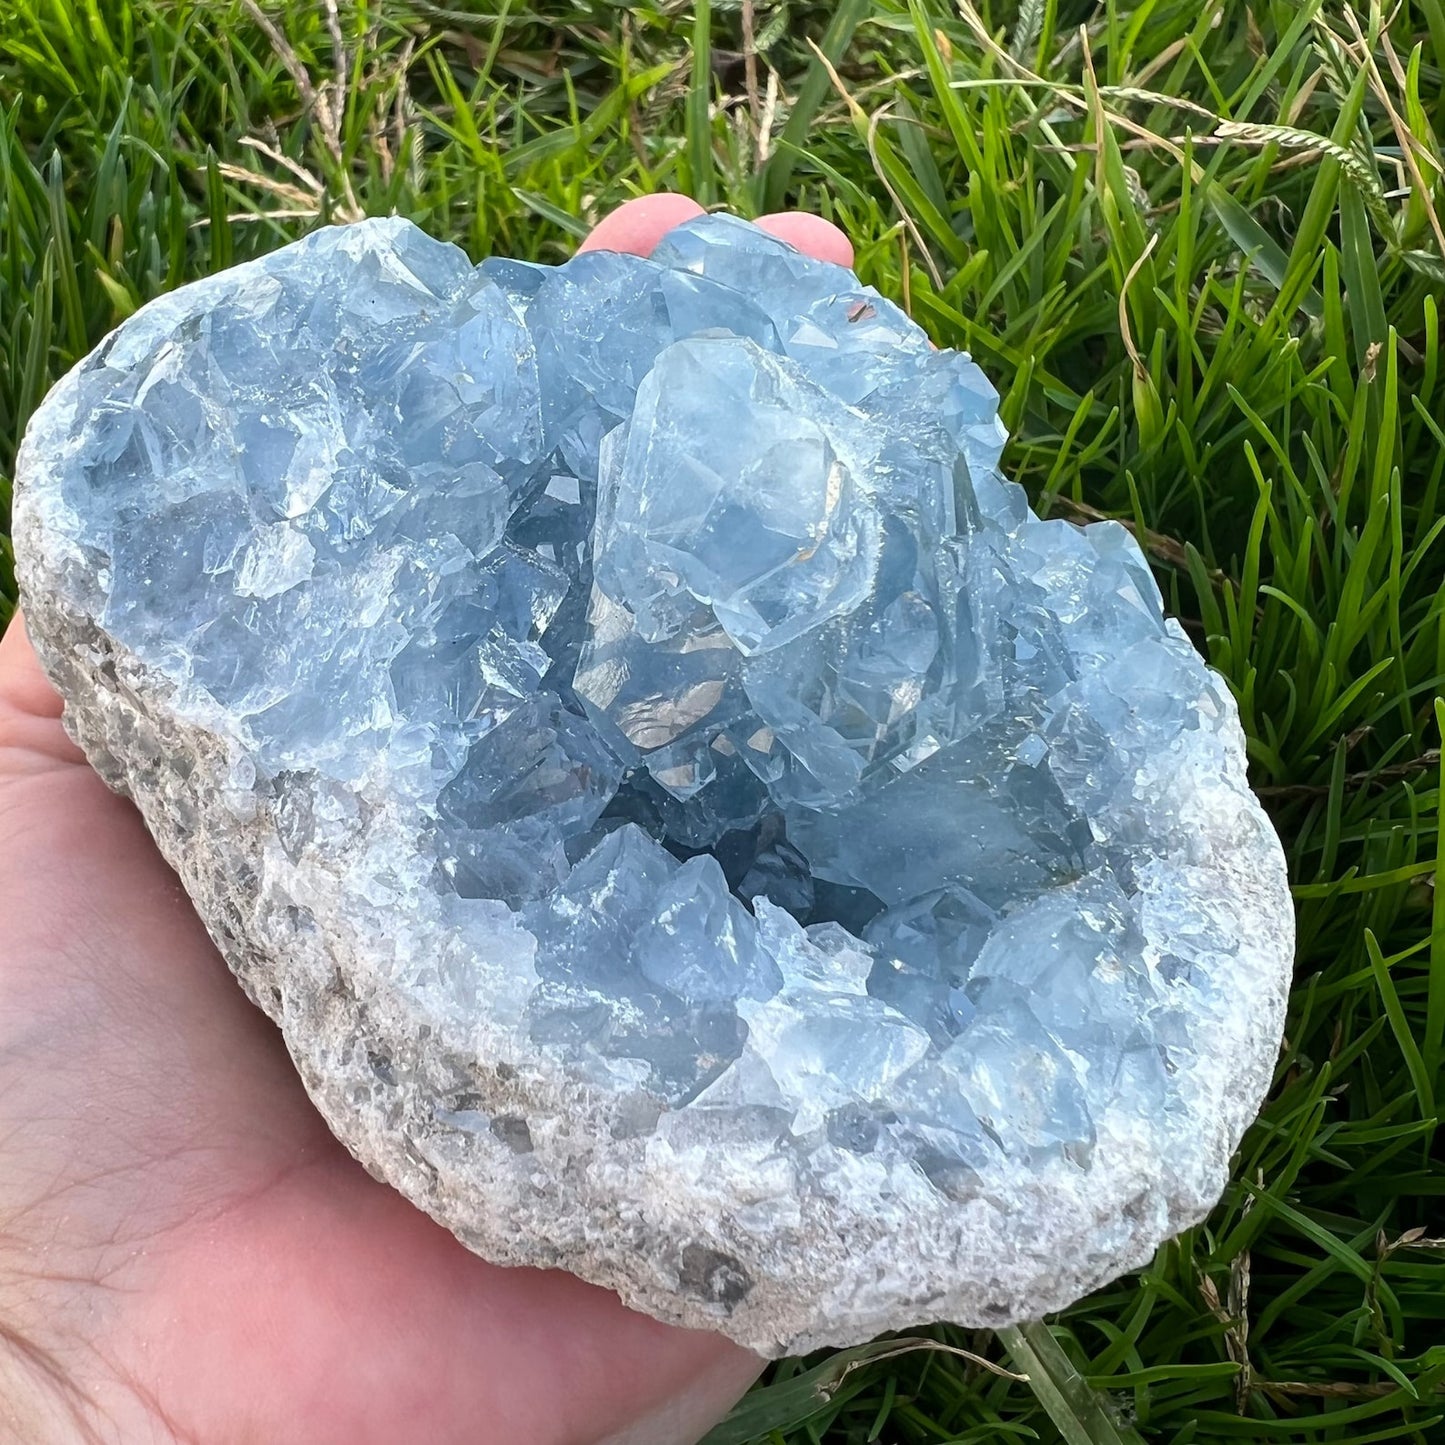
[563,1178]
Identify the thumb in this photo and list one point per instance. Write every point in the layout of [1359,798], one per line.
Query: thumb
[31,737]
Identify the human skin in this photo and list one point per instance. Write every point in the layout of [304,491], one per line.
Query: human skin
[186,1254]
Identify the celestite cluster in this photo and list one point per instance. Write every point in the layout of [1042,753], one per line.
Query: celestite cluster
[693,823]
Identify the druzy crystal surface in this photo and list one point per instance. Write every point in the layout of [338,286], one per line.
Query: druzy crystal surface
[692,821]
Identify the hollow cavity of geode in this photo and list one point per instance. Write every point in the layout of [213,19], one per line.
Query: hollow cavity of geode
[693,824]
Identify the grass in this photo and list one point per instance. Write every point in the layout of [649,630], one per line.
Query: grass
[1198,248]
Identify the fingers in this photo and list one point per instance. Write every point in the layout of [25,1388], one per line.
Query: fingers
[637,226]
[23,686]
[812,235]
[31,737]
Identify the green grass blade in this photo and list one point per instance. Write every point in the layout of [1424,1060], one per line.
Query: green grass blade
[1079,1412]
[777,175]
[701,170]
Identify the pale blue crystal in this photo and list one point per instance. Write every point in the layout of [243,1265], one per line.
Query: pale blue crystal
[770,525]
[684,610]
[701,944]
[929,949]
[1018,1083]
[538,777]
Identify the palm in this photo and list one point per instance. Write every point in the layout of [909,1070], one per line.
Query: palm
[206,1260]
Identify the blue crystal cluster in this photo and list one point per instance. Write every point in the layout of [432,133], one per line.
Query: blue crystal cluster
[683,602]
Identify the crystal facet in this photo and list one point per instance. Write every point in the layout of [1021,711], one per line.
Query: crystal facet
[693,822]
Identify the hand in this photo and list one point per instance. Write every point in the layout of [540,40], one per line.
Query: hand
[185,1251]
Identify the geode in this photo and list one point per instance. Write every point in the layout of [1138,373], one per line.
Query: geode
[693,824]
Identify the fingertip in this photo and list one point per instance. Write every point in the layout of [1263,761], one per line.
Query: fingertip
[23,684]
[810,234]
[637,226]
[31,736]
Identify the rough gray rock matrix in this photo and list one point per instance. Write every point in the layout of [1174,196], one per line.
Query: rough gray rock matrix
[692,823]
